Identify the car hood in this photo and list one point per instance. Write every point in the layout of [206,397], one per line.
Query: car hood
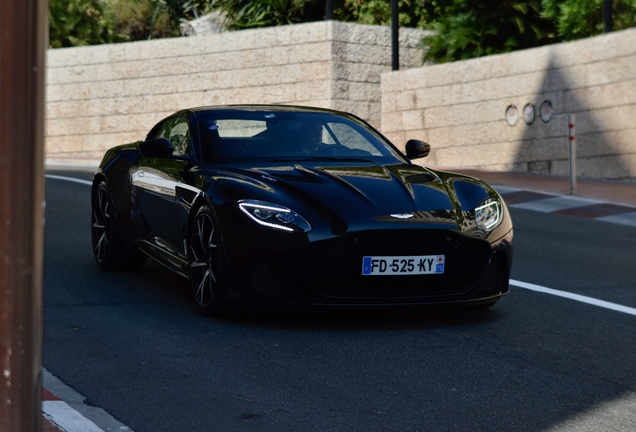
[361,195]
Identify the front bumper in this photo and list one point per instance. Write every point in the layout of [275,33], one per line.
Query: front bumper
[328,272]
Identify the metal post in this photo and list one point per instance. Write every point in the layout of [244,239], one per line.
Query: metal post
[329,10]
[395,36]
[22,62]
[607,16]
[572,148]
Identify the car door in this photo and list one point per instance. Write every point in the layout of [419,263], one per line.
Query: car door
[155,180]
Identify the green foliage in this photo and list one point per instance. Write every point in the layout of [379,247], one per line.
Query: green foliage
[475,28]
[178,11]
[379,12]
[266,13]
[152,19]
[80,22]
[88,22]
[134,18]
[624,14]
[411,13]
[577,19]
[465,28]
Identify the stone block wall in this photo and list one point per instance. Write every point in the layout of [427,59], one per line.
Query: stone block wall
[105,95]
[459,108]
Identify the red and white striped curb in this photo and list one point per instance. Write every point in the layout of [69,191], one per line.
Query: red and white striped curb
[63,416]
[67,410]
[568,205]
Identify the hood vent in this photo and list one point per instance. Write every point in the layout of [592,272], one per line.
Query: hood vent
[421,178]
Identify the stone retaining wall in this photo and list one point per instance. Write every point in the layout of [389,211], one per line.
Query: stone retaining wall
[459,108]
[101,96]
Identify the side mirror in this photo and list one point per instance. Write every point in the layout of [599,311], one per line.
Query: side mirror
[416,149]
[156,147]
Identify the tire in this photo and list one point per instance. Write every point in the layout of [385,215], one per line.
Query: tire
[206,264]
[109,249]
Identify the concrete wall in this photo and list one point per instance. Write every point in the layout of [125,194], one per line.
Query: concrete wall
[102,96]
[459,108]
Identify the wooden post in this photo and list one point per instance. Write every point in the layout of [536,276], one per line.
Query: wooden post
[23,42]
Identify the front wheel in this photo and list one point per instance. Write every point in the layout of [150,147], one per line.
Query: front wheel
[205,258]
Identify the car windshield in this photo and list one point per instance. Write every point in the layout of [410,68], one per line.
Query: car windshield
[232,136]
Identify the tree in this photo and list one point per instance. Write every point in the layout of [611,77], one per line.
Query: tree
[80,22]
[475,28]
[575,19]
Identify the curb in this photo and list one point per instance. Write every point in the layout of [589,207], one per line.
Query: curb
[63,416]
[65,408]
[568,205]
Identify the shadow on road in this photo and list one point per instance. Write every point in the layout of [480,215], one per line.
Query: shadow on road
[361,318]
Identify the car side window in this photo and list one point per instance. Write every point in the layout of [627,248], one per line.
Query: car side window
[177,131]
[180,136]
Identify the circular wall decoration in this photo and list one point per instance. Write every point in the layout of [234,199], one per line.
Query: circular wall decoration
[545,111]
[511,115]
[528,114]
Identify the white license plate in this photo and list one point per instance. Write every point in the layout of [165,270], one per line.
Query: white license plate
[402,265]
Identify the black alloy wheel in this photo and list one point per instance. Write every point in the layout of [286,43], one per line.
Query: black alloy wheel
[205,257]
[108,248]
[101,223]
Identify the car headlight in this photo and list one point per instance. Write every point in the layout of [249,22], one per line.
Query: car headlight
[488,215]
[274,216]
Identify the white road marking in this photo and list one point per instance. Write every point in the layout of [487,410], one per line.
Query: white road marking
[71,179]
[576,297]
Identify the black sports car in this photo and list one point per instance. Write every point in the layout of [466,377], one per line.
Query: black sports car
[301,206]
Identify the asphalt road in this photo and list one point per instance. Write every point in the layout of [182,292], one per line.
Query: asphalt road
[133,344]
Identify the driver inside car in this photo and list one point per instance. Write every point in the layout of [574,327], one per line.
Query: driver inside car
[311,140]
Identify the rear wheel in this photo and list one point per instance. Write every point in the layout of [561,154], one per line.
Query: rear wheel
[206,263]
[109,249]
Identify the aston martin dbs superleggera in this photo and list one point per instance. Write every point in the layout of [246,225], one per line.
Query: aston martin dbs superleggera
[266,204]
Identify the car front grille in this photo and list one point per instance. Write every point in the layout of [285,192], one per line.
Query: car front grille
[334,267]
